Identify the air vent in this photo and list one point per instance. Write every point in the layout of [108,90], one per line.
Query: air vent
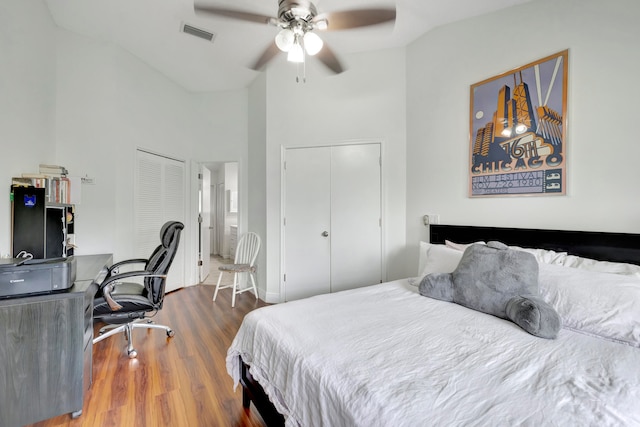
[197,32]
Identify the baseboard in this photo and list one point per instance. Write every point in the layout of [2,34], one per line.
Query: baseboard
[269,297]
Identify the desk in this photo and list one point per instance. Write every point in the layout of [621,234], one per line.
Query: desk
[46,348]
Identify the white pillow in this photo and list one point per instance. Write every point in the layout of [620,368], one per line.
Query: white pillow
[459,246]
[437,259]
[542,255]
[594,303]
[546,256]
[601,266]
[562,258]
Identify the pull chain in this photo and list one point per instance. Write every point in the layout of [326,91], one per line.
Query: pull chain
[304,70]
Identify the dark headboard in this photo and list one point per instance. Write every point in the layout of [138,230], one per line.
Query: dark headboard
[618,247]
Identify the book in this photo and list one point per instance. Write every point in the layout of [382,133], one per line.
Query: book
[21,181]
[53,170]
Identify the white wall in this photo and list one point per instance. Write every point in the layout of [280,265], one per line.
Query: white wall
[256,196]
[85,130]
[109,104]
[27,97]
[602,152]
[88,105]
[365,103]
[222,121]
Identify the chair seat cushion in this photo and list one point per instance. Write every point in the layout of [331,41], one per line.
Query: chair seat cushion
[237,268]
[127,288]
[133,307]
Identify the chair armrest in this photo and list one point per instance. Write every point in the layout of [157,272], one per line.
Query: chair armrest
[109,284]
[116,266]
[106,293]
[128,274]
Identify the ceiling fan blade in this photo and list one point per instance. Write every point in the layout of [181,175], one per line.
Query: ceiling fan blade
[355,18]
[234,14]
[268,54]
[328,58]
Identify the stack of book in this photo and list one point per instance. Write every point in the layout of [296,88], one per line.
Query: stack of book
[59,190]
[52,178]
[53,171]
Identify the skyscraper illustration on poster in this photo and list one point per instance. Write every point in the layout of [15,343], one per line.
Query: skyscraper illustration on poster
[517,131]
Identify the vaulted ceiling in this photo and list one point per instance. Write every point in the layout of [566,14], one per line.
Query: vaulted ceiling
[151,30]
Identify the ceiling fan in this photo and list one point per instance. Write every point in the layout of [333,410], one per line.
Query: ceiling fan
[298,20]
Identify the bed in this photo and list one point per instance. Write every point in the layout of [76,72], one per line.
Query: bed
[384,355]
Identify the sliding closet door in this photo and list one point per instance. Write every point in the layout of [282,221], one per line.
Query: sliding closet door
[159,197]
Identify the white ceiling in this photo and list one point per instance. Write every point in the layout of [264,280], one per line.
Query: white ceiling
[150,30]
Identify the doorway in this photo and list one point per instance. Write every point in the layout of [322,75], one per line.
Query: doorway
[204,222]
[223,211]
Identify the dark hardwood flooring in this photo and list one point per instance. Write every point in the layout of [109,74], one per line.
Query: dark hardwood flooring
[179,381]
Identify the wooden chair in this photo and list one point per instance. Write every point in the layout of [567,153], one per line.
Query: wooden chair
[244,263]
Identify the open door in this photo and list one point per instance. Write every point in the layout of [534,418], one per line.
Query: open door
[204,221]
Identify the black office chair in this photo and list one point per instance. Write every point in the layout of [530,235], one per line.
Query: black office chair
[124,306]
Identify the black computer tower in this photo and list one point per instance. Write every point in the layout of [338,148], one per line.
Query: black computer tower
[38,227]
[28,218]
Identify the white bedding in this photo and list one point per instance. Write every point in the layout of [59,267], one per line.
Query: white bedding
[385,356]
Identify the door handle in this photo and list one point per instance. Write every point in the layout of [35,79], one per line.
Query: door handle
[325,234]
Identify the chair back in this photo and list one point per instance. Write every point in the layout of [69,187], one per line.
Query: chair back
[161,260]
[247,250]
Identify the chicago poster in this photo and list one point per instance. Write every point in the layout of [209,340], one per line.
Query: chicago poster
[518,125]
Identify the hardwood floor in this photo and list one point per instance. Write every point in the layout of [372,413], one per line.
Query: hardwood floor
[179,381]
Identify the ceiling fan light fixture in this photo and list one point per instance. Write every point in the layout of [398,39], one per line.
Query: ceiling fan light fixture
[285,40]
[296,54]
[321,24]
[312,43]
[295,19]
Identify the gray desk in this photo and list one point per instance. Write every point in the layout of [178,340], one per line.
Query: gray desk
[46,348]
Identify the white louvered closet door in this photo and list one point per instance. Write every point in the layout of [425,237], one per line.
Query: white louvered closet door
[159,197]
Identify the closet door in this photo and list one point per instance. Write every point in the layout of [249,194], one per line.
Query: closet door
[356,245]
[159,197]
[332,232]
[307,220]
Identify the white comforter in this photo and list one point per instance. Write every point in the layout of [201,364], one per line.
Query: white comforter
[386,356]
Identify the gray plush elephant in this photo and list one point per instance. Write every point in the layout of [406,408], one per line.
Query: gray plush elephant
[500,281]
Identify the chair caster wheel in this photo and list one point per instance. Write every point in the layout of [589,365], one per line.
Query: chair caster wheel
[132,354]
[170,333]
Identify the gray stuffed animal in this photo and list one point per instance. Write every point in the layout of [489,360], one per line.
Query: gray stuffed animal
[500,281]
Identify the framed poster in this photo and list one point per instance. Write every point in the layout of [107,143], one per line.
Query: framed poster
[517,131]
